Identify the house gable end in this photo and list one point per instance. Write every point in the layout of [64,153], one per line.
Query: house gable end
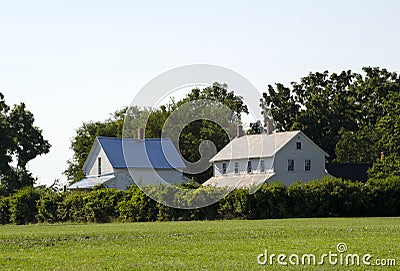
[90,167]
[292,142]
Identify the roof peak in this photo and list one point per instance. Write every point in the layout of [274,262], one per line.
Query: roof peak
[131,138]
[277,133]
[155,153]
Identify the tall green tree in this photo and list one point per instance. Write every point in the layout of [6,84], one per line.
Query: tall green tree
[6,142]
[320,105]
[357,146]
[193,133]
[341,112]
[388,126]
[376,110]
[217,98]
[27,138]
[282,104]
[21,139]
[209,101]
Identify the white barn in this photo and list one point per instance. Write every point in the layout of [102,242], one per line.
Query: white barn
[113,161]
[254,159]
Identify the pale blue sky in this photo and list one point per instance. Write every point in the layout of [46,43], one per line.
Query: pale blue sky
[74,61]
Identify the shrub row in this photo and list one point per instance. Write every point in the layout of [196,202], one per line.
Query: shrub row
[329,197]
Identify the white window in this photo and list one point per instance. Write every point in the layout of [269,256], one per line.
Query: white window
[99,166]
[236,167]
[249,167]
[298,145]
[290,165]
[307,165]
[262,166]
[223,168]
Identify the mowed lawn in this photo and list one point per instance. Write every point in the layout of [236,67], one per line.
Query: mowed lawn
[196,245]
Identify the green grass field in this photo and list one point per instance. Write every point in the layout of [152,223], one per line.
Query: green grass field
[195,245]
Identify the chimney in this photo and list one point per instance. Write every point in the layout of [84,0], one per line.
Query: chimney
[269,126]
[140,133]
[239,131]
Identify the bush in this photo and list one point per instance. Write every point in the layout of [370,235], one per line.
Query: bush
[270,201]
[4,210]
[72,207]
[137,206]
[384,195]
[329,197]
[102,205]
[236,205]
[23,206]
[48,207]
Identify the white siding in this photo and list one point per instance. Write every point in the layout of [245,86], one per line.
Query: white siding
[92,164]
[242,163]
[308,152]
[148,176]
[122,180]
[123,177]
[279,163]
[171,175]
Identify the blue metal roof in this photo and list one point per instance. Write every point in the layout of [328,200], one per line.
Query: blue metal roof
[147,153]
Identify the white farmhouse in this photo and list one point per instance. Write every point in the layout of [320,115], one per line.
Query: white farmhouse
[251,160]
[113,161]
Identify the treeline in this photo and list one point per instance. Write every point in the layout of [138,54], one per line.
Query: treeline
[351,116]
[354,117]
[126,121]
[329,197]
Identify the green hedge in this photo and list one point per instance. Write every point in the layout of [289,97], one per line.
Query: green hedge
[329,197]
[23,206]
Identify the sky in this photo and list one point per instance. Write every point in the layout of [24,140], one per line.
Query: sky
[76,61]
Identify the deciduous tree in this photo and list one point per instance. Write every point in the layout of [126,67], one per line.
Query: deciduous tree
[351,116]
[20,139]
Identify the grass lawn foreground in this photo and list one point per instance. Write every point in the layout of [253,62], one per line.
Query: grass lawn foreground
[197,245]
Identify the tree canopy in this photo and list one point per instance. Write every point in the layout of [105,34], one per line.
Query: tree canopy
[353,117]
[192,135]
[20,142]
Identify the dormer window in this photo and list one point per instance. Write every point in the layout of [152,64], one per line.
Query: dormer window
[236,167]
[298,145]
[99,166]
[262,166]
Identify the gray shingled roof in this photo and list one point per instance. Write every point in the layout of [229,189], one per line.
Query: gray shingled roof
[254,146]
